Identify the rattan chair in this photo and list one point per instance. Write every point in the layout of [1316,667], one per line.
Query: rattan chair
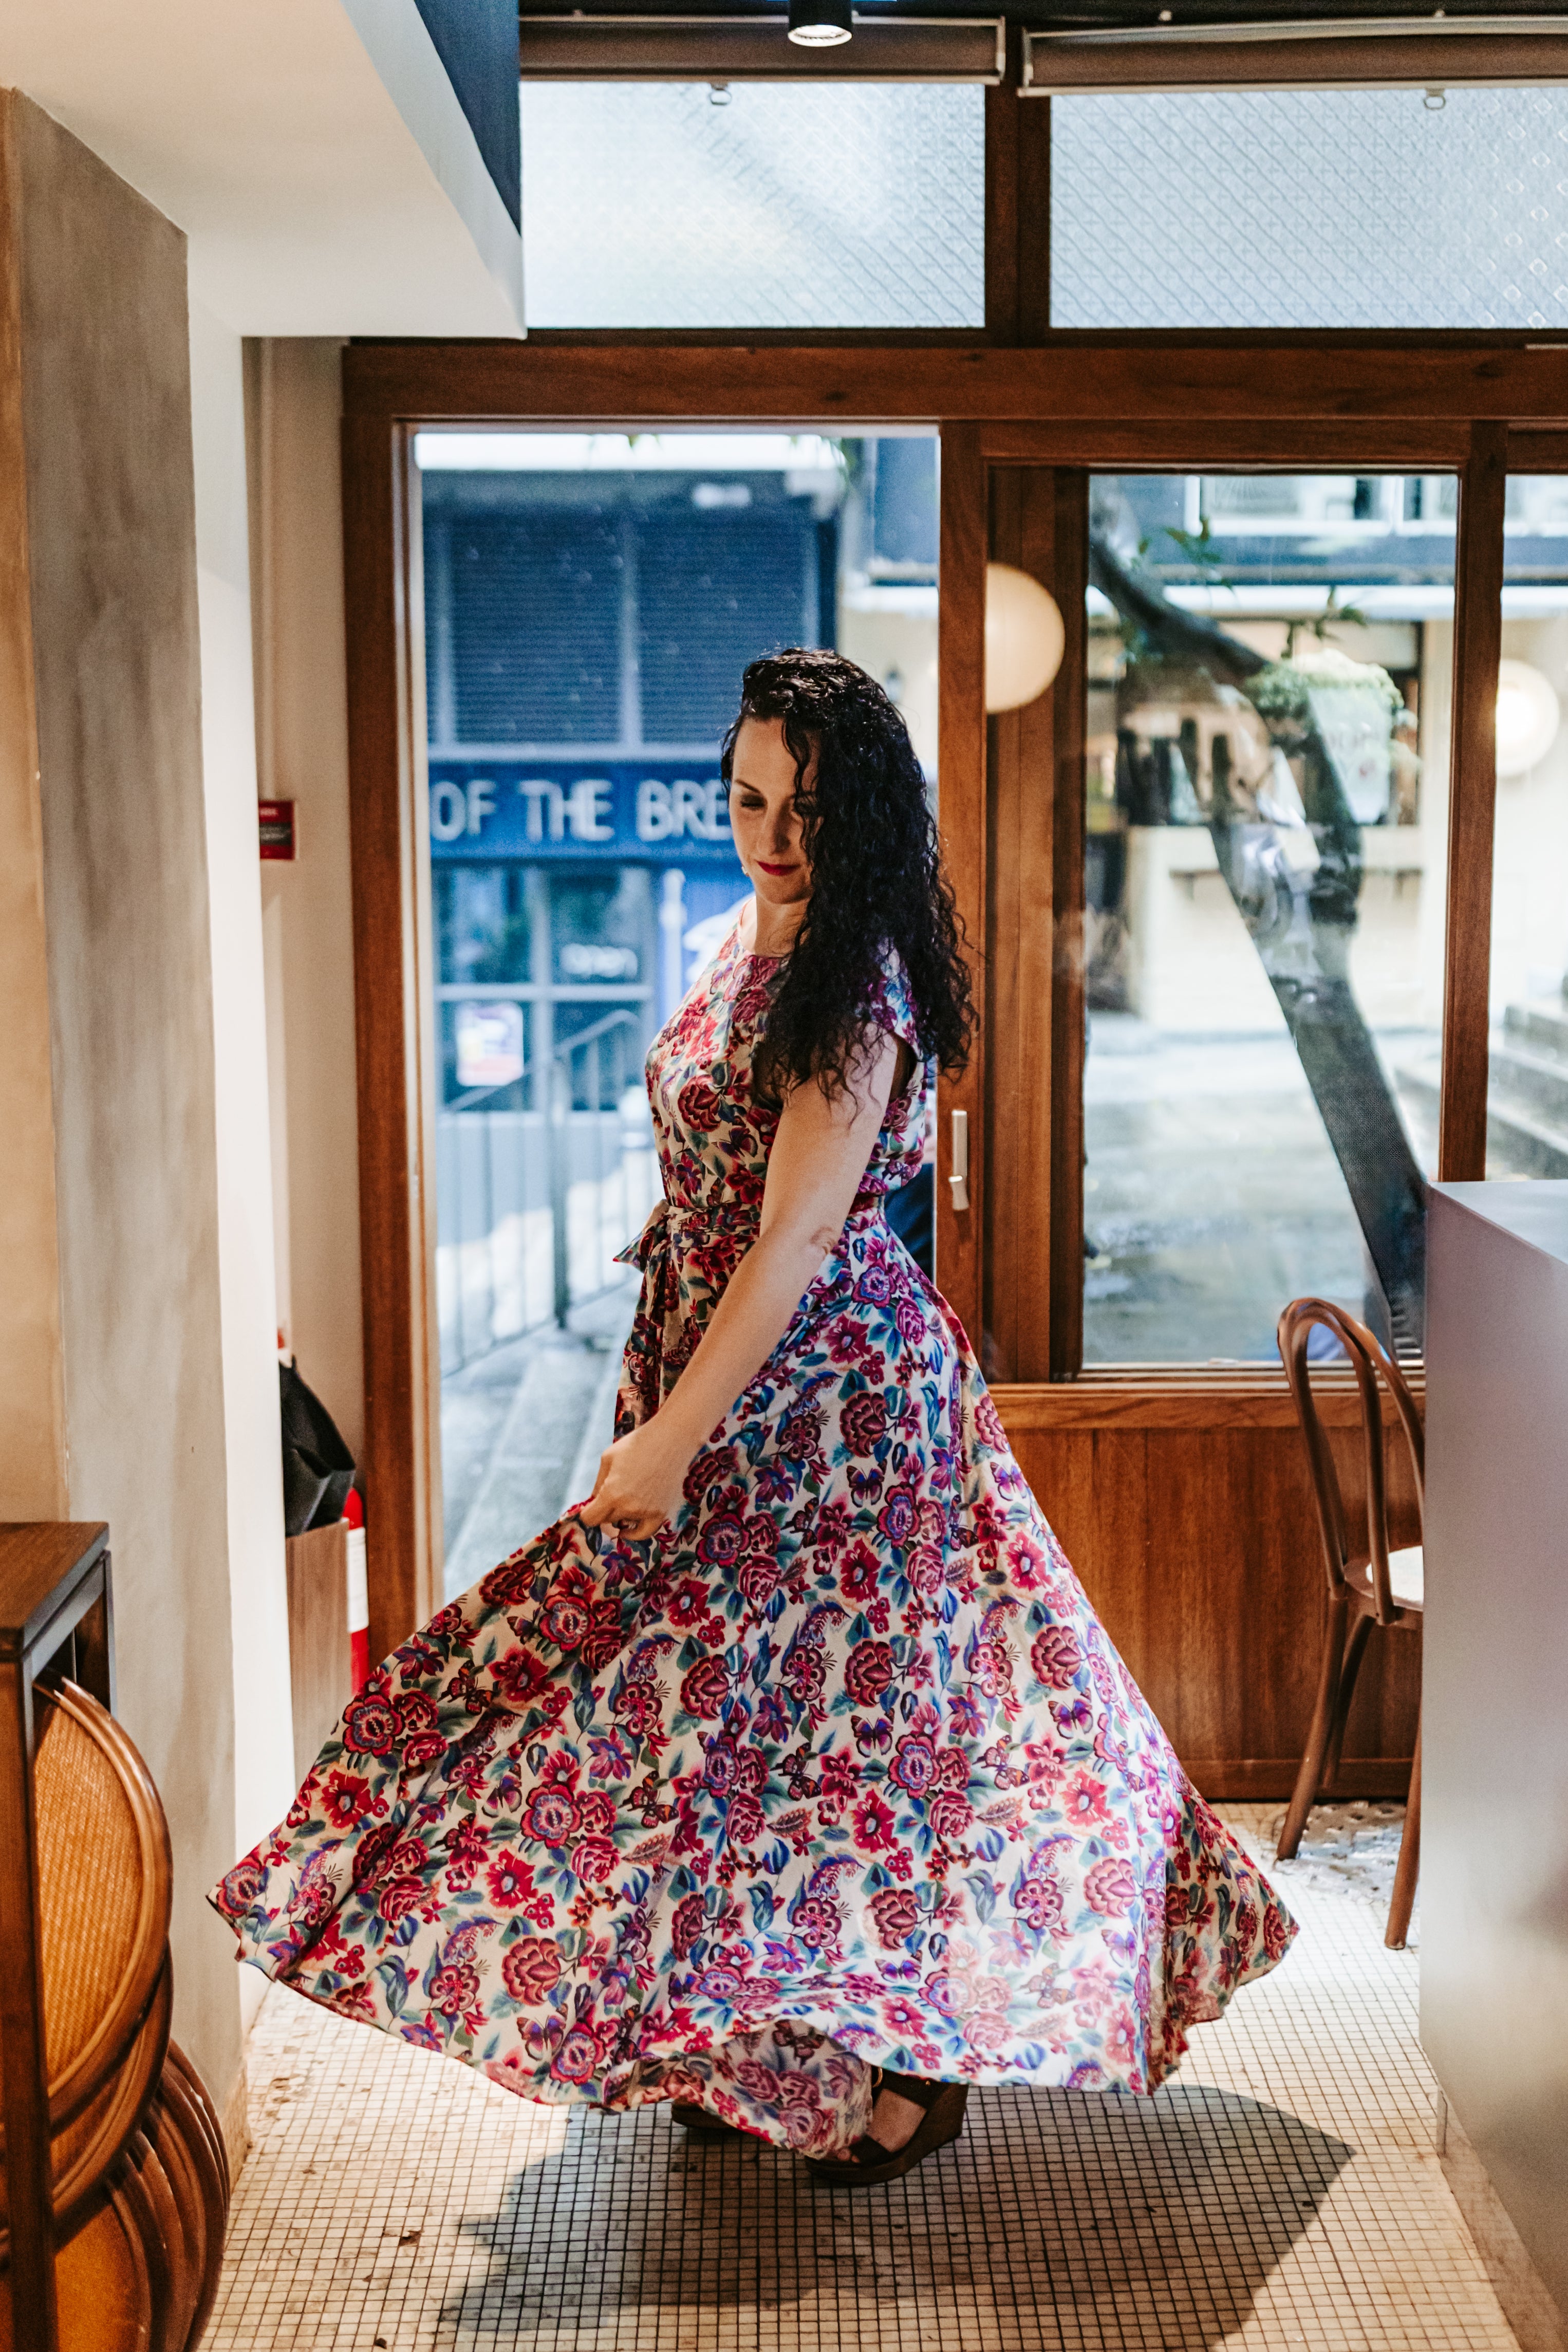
[1369,1584]
[140,2183]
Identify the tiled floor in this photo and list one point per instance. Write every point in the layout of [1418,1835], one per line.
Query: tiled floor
[1283,2192]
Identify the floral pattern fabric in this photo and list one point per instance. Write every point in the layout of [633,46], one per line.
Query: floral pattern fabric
[840,1769]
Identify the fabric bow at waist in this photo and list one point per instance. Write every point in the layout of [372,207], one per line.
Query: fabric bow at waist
[669,1224]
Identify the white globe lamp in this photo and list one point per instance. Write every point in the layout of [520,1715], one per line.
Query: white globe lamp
[1024,637]
[1527,718]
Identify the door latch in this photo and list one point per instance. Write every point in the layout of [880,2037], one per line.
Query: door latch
[959,1181]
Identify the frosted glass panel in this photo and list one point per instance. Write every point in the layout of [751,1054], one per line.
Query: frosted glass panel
[1314,208]
[834,205]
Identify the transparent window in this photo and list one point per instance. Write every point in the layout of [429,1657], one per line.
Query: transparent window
[1311,208]
[763,205]
[591,601]
[1527,1098]
[1266,757]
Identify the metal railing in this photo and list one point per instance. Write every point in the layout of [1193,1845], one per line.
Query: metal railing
[533,1203]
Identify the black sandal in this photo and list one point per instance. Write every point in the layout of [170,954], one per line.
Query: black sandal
[869,2162]
[699,2123]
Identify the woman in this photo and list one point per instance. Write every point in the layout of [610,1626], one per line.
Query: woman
[793,1776]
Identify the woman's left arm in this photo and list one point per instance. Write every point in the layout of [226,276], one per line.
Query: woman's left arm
[814,1171]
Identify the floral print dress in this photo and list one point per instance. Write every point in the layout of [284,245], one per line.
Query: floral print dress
[839,1771]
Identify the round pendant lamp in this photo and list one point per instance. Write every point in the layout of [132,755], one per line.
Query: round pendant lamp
[820,24]
[1528,717]
[1024,637]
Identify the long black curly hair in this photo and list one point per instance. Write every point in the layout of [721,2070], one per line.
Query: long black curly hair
[877,883]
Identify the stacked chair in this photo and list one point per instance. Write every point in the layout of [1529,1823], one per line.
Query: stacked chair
[141,2180]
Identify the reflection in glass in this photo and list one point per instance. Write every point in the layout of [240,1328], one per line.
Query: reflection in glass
[1268,695]
[1527,1095]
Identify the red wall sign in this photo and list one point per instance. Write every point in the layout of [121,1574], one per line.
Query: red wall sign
[277,828]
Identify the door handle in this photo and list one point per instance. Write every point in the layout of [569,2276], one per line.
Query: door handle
[959,1181]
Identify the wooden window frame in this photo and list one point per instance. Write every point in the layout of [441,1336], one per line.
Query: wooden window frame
[1481,404]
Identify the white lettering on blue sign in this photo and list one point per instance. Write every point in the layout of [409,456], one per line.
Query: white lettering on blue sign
[682,811]
[458,809]
[582,812]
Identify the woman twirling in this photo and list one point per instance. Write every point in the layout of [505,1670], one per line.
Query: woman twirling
[792,1777]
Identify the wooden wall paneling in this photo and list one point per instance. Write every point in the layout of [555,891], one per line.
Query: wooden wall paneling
[1197,1544]
[1188,382]
[1034,220]
[402,1465]
[961,764]
[1472,798]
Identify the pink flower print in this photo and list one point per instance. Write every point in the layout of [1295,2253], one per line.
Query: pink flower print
[862,1421]
[913,1765]
[949,1814]
[594,1860]
[1121,2039]
[241,1886]
[704,1688]
[369,1724]
[511,1582]
[689,1601]
[345,1799]
[578,2056]
[454,1989]
[510,1882]
[551,1815]
[902,2017]
[896,1913]
[603,1640]
[1110,1887]
[869,1673]
[873,1824]
[721,1540]
[518,1678]
[1039,1904]
[530,1970]
[396,1897]
[1084,1802]
[595,1814]
[745,1821]
[899,1514]
[858,1574]
[989,1424]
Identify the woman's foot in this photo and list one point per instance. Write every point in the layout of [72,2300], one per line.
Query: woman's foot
[911,2117]
[894,2120]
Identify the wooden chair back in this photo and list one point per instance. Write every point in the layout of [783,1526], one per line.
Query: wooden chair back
[1371,1365]
[104,1892]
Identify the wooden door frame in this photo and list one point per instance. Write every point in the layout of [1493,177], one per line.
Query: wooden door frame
[1112,402]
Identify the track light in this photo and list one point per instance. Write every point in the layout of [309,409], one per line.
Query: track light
[820,24]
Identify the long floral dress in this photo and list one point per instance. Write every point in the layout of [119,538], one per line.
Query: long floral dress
[842,1769]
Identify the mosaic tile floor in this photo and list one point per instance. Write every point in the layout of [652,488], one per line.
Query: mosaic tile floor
[1283,2192]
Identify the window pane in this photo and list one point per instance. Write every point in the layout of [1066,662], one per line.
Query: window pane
[591,601]
[1311,208]
[828,205]
[1267,761]
[1527,1099]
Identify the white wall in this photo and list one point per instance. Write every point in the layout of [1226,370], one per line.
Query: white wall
[294,406]
[264,1754]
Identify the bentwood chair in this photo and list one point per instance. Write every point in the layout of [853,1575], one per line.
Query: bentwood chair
[1369,1584]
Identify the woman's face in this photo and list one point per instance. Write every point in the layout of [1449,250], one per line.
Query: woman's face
[762,815]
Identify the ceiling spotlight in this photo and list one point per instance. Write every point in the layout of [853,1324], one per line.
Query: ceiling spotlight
[820,24]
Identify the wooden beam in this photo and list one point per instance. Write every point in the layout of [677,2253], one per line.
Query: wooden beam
[1202,445]
[961,767]
[1472,798]
[1098,63]
[1169,380]
[1002,200]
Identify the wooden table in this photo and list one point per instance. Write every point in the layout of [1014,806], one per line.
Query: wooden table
[55,1617]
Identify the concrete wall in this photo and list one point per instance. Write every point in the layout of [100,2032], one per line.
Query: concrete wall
[124,629]
[294,406]
[264,1752]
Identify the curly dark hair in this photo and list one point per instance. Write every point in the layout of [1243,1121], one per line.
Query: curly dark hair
[876,876]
